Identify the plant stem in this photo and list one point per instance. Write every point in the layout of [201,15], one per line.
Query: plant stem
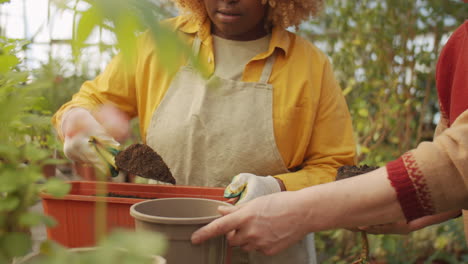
[364,258]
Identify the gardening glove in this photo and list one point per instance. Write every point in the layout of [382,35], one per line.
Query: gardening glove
[248,186]
[91,144]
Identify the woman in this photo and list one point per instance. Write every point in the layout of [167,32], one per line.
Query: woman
[424,186]
[268,110]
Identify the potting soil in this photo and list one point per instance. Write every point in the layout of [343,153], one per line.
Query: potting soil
[111,194]
[142,160]
[348,171]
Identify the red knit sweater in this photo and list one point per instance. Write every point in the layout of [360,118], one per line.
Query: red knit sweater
[416,174]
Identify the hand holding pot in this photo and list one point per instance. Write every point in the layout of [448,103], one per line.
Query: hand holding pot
[87,141]
[260,224]
[247,186]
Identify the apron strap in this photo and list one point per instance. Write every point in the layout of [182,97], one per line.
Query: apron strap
[268,68]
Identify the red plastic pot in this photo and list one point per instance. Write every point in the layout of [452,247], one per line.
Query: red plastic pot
[49,170]
[75,213]
[85,171]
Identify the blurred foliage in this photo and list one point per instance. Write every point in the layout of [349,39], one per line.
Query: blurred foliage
[123,247]
[442,243]
[384,55]
[55,85]
[51,86]
[22,156]
[27,143]
[126,19]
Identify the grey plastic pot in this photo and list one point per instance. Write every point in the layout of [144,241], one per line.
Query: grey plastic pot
[178,218]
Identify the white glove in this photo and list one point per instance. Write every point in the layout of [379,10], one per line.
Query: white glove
[82,128]
[249,186]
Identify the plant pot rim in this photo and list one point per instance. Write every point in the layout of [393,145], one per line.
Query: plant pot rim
[134,189]
[175,220]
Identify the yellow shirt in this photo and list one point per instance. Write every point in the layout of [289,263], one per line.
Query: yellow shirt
[312,124]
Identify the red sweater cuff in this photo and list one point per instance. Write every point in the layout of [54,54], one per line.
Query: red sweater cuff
[406,193]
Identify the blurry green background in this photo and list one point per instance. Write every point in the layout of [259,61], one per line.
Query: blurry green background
[384,55]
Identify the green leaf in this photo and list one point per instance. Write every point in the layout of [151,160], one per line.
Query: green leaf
[16,244]
[30,219]
[7,62]
[9,181]
[9,203]
[363,112]
[126,29]
[441,242]
[170,49]
[3,259]
[34,153]
[56,187]
[54,161]
[389,243]
[347,90]
[364,149]
[89,20]
[50,247]
[11,107]
[3,218]
[139,243]
[9,153]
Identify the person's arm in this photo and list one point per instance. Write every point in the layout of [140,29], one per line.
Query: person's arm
[433,177]
[265,224]
[331,142]
[100,111]
[114,86]
[403,227]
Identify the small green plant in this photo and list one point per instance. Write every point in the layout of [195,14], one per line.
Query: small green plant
[21,157]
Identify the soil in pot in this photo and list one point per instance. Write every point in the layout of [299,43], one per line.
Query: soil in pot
[111,194]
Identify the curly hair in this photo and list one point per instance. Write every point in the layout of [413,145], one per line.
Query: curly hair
[283,13]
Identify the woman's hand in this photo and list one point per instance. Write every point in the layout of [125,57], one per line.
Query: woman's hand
[79,126]
[267,224]
[245,187]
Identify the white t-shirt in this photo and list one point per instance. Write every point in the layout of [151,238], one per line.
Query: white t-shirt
[231,56]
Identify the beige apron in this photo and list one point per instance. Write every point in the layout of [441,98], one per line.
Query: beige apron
[209,130]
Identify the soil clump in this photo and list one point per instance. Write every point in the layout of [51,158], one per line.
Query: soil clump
[142,160]
[348,171]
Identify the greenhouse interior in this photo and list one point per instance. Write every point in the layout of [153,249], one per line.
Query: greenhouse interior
[96,134]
